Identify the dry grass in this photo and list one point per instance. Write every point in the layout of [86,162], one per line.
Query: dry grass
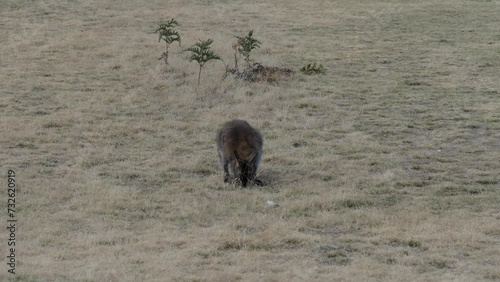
[384,169]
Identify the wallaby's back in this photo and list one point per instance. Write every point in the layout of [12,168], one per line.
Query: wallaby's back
[240,148]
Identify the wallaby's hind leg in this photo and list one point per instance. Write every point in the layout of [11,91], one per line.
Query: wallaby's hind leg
[248,173]
[244,175]
[255,165]
[224,161]
[226,171]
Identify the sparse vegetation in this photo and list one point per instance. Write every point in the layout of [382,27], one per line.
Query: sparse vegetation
[244,46]
[258,73]
[383,169]
[201,53]
[253,72]
[167,33]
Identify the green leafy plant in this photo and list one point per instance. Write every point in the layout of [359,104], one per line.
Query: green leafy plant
[202,53]
[313,68]
[244,46]
[168,34]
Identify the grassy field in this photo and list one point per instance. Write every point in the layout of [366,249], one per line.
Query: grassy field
[386,168]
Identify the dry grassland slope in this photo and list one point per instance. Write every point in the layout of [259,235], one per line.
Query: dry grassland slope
[386,168]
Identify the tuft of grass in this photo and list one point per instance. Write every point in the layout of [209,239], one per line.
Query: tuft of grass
[439,264]
[313,68]
[354,203]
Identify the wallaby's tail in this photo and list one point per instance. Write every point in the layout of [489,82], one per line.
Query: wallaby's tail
[243,160]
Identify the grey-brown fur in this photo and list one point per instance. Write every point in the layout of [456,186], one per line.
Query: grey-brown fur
[240,148]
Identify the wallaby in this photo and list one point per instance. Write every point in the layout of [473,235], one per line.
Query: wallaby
[240,147]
